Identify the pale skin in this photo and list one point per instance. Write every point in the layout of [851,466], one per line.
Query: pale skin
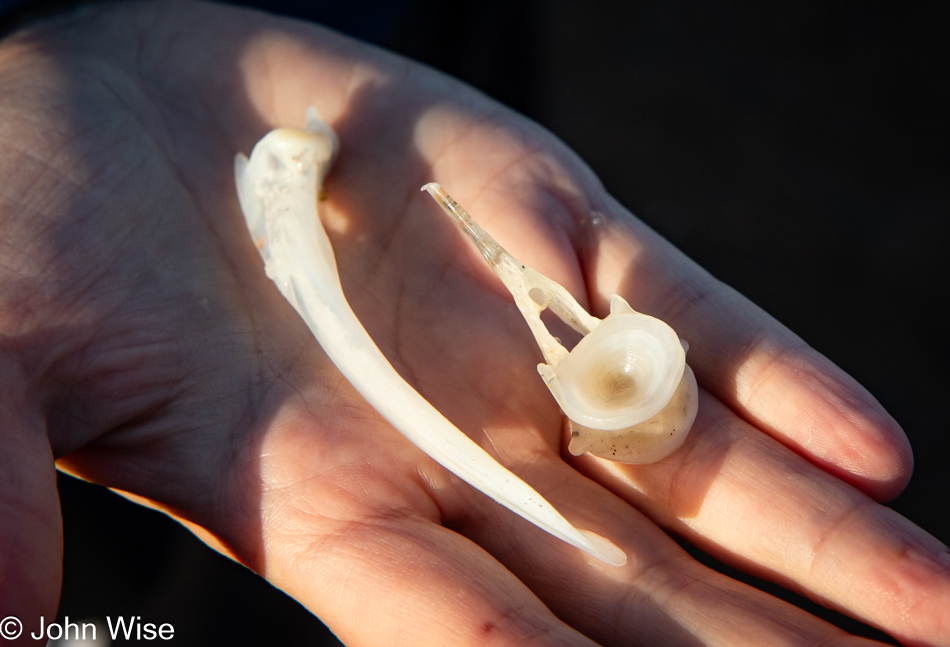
[142,347]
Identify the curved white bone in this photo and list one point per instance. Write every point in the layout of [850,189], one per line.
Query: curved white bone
[278,188]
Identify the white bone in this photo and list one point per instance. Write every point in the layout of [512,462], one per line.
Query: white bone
[625,387]
[278,188]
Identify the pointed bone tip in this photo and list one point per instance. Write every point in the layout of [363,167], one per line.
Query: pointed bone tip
[619,304]
[580,443]
[547,372]
[453,209]
[240,164]
[438,194]
[603,549]
[433,188]
[312,116]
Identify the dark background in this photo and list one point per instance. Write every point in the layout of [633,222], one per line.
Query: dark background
[800,153]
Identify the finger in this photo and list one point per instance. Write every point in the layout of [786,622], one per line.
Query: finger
[662,596]
[31,547]
[412,582]
[391,578]
[751,362]
[745,499]
[350,528]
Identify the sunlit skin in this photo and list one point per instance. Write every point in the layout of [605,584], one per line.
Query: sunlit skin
[278,188]
[142,347]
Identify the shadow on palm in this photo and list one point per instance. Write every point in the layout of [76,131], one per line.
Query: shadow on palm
[181,376]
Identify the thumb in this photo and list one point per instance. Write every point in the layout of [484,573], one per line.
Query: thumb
[31,537]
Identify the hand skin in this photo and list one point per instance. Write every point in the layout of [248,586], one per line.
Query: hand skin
[141,347]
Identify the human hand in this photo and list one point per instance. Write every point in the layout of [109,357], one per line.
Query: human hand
[139,328]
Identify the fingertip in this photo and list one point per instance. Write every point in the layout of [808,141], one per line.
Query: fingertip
[809,404]
[886,461]
[865,445]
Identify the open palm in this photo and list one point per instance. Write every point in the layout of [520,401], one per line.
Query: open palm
[143,348]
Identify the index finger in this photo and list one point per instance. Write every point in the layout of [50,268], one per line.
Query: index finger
[750,361]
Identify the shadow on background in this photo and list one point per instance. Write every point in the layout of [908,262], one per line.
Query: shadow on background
[799,153]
